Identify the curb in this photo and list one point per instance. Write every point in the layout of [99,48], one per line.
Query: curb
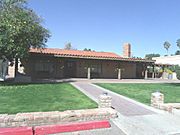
[52,129]
[16,131]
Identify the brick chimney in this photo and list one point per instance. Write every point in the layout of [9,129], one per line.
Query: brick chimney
[127,50]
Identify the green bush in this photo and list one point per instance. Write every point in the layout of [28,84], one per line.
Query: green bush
[175,69]
[178,71]
[169,71]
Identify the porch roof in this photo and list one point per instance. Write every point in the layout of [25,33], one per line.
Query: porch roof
[85,54]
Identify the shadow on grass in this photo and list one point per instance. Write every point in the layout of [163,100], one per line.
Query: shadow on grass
[174,84]
[12,83]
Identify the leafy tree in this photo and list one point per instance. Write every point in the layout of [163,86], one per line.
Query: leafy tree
[177,52]
[178,43]
[20,29]
[86,49]
[167,46]
[68,46]
[150,56]
[178,71]
[135,57]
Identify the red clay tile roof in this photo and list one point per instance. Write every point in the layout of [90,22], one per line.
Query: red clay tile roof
[75,53]
[83,54]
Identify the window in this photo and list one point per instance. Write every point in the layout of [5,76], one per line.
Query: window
[96,68]
[44,66]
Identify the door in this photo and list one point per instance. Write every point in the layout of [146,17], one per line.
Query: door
[70,69]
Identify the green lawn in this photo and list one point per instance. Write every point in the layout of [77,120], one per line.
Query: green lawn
[142,92]
[42,97]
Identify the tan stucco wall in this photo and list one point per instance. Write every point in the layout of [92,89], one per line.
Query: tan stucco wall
[11,71]
[172,60]
[11,68]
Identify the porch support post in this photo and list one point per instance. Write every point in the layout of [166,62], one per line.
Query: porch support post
[146,74]
[153,73]
[119,73]
[163,74]
[89,73]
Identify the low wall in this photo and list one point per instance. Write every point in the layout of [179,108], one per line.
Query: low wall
[157,101]
[56,117]
[174,105]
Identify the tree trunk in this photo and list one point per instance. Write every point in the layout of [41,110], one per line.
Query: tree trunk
[16,67]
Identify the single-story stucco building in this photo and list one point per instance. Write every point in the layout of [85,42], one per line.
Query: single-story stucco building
[60,63]
[167,60]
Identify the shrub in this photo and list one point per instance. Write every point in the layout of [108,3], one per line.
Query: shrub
[175,69]
[169,71]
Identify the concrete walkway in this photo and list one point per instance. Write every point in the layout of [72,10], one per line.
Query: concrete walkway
[106,80]
[135,118]
[122,105]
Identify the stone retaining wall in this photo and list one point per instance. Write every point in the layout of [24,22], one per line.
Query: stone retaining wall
[56,117]
[174,105]
[157,101]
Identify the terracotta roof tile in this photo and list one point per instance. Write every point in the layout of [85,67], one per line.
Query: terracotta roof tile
[84,54]
[75,53]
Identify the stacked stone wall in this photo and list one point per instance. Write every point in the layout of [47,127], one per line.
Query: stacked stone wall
[105,101]
[56,117]
[157,101]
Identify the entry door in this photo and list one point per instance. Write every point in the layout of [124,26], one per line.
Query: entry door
[70,69]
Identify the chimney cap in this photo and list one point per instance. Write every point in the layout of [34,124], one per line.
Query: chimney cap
[127,44]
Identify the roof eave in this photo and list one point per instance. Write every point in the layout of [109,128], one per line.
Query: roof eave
[97,58]
[103,58]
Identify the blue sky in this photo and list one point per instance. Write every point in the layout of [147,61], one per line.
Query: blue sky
[104,25]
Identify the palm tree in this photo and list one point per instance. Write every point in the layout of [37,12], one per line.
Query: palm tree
[178,43]
[167,46]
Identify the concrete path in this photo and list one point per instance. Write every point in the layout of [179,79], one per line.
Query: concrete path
[107,80]
[135,118]
[122,105]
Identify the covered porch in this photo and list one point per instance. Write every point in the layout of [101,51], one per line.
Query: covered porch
[47,66]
